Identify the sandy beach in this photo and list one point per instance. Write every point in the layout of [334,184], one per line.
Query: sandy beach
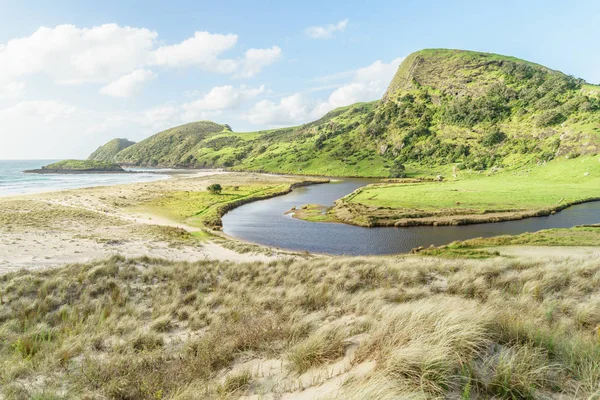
[51,229]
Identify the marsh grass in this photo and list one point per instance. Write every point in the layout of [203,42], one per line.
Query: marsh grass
[150,328]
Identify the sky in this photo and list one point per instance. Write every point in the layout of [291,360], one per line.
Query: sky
[76,74]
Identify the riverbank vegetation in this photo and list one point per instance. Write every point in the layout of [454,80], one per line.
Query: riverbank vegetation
[313,213]
[331,328]
[204,209]
[487,247]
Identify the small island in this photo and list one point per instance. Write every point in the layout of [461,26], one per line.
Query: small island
[80,167]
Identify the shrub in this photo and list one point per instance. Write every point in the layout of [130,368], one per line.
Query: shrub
[215,188]
[398,170]
[550,118]
[494,137]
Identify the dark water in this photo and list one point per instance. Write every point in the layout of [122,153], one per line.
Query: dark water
[264,222]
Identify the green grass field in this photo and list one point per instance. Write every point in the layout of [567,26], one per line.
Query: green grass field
[545,186]
[204,209]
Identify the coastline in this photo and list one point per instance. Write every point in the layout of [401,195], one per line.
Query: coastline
[53,228]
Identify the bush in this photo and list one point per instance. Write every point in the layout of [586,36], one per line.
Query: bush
[493,137]
[550,118]
[398,170]
[215,188]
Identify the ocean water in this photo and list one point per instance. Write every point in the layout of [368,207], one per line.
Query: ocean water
[13,181]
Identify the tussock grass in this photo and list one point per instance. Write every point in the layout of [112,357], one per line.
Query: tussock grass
[150,328]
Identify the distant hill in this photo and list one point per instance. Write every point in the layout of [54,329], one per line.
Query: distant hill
[444,108]
[79,167]
[108,151]
[171,148]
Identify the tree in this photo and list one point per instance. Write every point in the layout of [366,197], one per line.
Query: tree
[493,137]
[215,188]
[397,170]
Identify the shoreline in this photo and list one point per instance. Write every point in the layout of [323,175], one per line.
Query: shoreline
[157,177]
[59,227]
[366,221]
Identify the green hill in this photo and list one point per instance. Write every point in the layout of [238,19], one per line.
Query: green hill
[79,167]
[444,109]
[481,110]
[171,148]
[108,151]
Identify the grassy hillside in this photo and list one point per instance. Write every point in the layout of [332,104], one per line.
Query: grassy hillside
[478,110]
[444,110]
[108,151]
[328,146]
[82,165]
[173,147]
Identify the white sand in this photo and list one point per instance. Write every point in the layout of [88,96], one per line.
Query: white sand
[73,241]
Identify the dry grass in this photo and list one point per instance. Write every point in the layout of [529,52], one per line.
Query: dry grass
[149,328]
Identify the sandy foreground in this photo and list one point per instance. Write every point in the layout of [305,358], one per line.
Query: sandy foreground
[56,228]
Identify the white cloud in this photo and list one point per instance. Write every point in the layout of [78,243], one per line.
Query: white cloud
[363,84]
[256,59]
[289,110]
[203,49]
[72,55]
[11,90]
[368,83]
[46,111]
[128,85]
[326,32]
[101,54]
[378,71]
[159,114]
[42,129]
[219,98]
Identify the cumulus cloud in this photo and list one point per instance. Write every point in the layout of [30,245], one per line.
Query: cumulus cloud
[72,55]
[289,110]
[159,114]
[255,60]
[101,54]
[128,85]
[203,49]
[363,84]
[218,99]
[325,32]
[367,83]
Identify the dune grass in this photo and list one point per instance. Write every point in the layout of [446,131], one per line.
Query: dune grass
[150,328]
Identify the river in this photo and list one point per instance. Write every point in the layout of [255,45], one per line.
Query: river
[264,222]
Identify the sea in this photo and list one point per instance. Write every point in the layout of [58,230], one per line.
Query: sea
[13,181]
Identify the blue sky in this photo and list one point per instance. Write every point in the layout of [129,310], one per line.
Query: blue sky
[129,69]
